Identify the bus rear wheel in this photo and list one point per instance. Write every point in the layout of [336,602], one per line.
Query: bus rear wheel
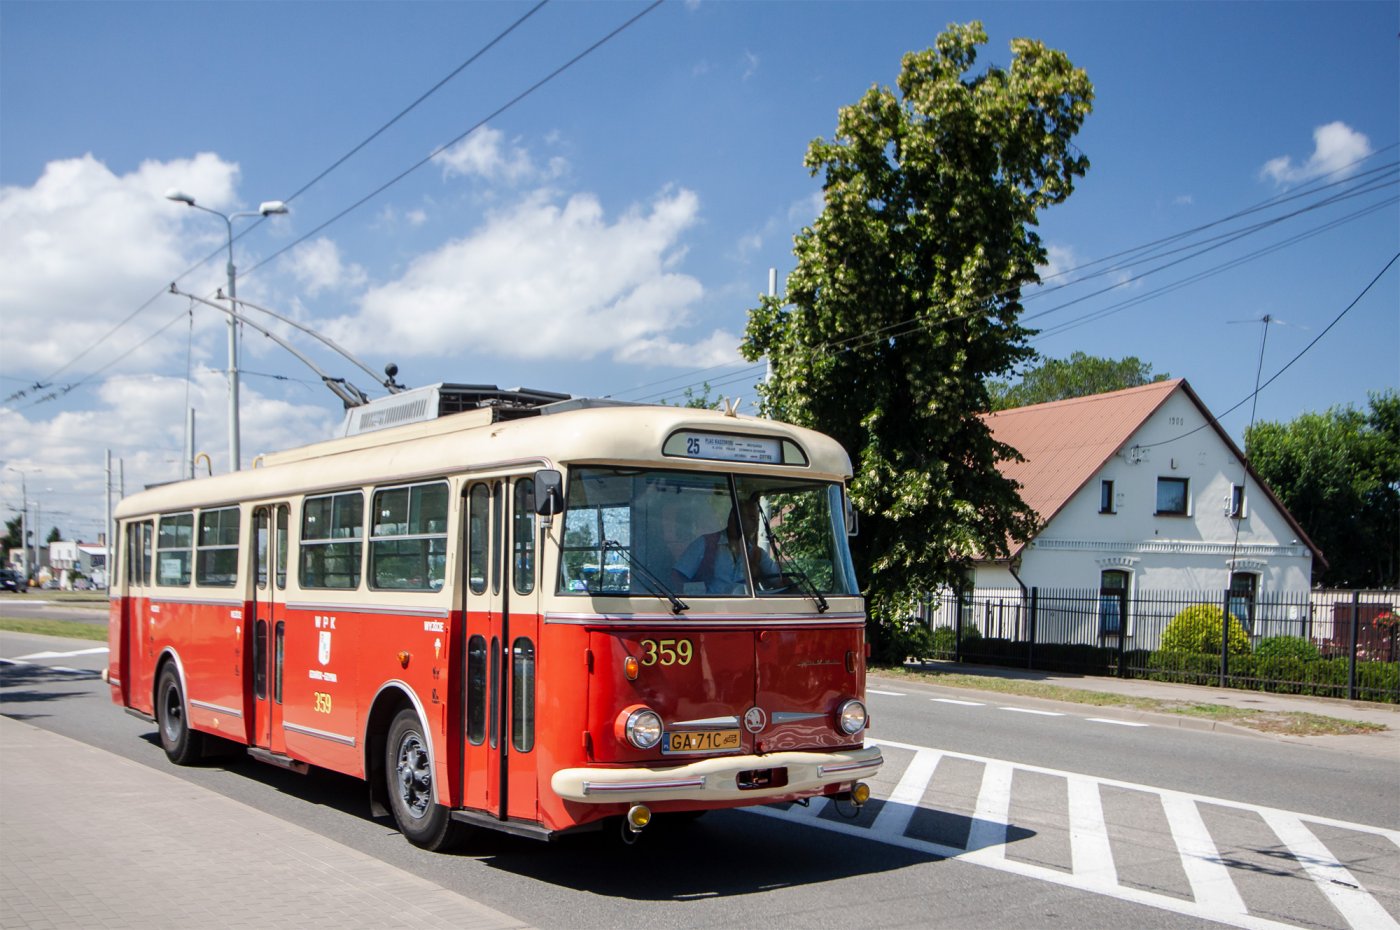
[182,745]
[409,774]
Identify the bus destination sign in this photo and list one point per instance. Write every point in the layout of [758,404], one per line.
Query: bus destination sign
[725,448]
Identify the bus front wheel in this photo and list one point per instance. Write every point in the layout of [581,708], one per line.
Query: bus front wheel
[409,773]
[182,745]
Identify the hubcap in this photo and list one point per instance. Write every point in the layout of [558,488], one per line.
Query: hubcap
[415,777]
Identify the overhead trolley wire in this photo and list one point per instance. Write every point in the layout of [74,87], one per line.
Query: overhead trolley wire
[44,383]
[473,128]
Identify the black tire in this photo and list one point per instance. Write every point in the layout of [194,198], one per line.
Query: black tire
[182,745]
[409,780]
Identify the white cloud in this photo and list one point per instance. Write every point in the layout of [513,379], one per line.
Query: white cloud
[719,348]
[1059,260]
[750,62]
[1336,148]
[83,247]
[485,154]
[317,266]
[540,280]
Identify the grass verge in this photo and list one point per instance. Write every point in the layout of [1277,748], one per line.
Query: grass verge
[1287,723]
[67,629]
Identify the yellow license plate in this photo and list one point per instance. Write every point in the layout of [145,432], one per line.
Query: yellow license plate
[701,741]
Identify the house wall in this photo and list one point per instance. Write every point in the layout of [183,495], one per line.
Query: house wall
[1162,552]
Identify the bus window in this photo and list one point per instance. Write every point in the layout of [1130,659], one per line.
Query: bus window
[138,553]
[260,547]
[283,512]
[523,537]
[216,548]
[497,519]
[331,529]
[408,538]
[476,690]
[173,549]
[522,689]
[477,540]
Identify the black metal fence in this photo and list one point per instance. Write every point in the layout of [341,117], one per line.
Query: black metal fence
[1330,643]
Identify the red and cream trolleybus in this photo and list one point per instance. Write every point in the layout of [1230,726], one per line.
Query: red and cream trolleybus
[529,616]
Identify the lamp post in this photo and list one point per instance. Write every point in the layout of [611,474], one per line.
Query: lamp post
[267,208]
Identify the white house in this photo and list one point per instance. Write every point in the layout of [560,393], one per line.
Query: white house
[1141,490]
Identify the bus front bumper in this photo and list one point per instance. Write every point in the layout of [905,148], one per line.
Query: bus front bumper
[724,778]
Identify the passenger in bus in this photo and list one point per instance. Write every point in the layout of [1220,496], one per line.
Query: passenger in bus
[716,560]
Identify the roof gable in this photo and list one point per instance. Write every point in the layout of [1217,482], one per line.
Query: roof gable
[1066,442]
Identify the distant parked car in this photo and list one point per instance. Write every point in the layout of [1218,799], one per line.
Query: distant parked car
[11,580]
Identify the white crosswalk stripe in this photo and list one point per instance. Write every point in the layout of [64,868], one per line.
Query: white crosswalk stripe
[1342,900]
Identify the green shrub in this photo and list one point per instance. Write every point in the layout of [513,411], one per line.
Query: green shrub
[945,639]
[1287,647]
[1196,630]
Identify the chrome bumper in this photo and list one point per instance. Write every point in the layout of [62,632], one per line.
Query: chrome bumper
[716,779]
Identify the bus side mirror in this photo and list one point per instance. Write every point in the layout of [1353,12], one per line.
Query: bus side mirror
[549,493]
[852,519]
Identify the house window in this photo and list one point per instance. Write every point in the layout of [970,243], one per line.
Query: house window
[1172,496]
[1244,587]
[1105,497]
[1113,602]
[1237,501]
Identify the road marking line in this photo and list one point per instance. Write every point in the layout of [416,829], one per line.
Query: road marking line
[986,839]
[1027,710]
[886,693]
[960,703]
[1346,894]
[65,655]
[1210,880]
[1036,872]
[1090,853]
[899,807]
[1393,835]
[1117,723]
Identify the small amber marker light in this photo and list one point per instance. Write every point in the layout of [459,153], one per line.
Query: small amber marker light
[403,659]
[860,793]
[631,668]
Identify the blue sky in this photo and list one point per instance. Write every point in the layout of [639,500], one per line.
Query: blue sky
[607,233]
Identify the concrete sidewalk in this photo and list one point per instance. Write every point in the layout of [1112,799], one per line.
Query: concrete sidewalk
[1384,743]
[89,839]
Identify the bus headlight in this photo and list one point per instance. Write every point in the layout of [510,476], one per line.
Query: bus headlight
[851,718]
[642,727]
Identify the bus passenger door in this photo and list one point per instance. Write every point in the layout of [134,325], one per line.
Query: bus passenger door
[481,656]
[502,636]
[266,628]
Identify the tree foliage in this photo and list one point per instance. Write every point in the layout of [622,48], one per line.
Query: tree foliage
[12,538]
[1077,376]
[1338,473]
[905,298]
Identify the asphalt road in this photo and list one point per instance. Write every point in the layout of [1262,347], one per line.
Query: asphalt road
[986,817]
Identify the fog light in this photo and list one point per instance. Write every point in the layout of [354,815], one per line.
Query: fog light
[860,793]
[639,815]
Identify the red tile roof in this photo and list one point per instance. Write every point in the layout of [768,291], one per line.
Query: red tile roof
[1065,442]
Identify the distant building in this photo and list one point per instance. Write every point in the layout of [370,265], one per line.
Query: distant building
[70,559]
[1141,490]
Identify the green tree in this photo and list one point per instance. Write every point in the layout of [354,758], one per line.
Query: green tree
[1338,473]
[11,539]
[906,296]
[701,401]
[54,536]
[1077,376]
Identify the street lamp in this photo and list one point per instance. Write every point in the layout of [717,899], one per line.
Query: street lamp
[267,208]
[24,519]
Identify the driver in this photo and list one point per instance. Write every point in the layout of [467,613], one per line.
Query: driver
[716,560]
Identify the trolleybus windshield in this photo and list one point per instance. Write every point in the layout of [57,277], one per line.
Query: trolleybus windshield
[656,533]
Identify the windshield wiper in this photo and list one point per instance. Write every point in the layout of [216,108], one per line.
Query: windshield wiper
[791,567]
[657,587]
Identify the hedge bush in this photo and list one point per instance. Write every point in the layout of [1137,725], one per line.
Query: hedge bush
[1196,630]
[1287,647]
[1375,681]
